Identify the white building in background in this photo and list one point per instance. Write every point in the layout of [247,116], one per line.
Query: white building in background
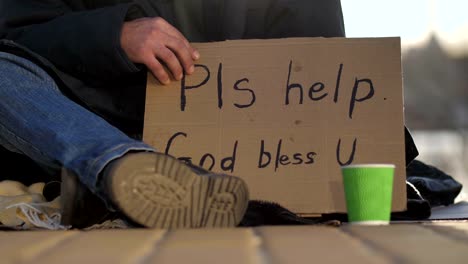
[417,22]
[413,20]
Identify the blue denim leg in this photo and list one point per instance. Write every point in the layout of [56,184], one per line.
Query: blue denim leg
[37,120]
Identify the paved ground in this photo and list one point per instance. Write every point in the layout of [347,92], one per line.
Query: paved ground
[442,242]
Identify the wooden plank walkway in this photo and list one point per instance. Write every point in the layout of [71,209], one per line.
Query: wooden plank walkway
[444,242]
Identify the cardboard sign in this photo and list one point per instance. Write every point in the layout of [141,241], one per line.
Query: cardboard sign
[285,114]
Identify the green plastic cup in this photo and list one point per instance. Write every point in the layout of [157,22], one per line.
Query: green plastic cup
[368,191]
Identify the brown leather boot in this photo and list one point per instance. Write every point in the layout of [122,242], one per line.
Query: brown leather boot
[159,191]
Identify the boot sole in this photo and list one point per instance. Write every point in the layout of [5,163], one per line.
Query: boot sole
[159,191]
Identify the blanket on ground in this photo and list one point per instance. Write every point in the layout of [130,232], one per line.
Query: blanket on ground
[23,207]
[27,208]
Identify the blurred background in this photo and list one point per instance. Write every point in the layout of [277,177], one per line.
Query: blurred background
[434,36]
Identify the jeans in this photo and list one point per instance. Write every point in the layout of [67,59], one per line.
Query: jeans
[37,120]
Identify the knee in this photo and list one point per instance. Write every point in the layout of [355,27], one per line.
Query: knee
[18,72]
[15,67]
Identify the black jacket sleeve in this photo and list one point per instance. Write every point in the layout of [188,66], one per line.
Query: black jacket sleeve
[72,37]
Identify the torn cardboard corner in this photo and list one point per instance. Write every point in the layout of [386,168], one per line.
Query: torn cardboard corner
[285,114]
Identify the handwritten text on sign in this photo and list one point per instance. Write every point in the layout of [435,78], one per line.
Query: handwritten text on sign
[315,92]
[290,110]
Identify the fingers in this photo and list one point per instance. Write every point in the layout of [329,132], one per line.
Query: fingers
[183,54]
[171,60]
[156,43]
[157,70]
[176,34]
[175,54]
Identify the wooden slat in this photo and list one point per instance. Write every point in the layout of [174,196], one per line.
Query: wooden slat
[433,243]
[105,246]
[24,246]
[456,231]
[314,244]
[208,246]
[411,243]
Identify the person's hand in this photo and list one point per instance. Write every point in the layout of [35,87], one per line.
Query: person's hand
[153,42]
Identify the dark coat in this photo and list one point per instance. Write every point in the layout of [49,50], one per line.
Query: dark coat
[78,41]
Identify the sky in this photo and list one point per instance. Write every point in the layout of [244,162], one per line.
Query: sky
[412,20]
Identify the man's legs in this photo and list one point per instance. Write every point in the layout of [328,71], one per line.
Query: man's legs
[152,189]
[37,120]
